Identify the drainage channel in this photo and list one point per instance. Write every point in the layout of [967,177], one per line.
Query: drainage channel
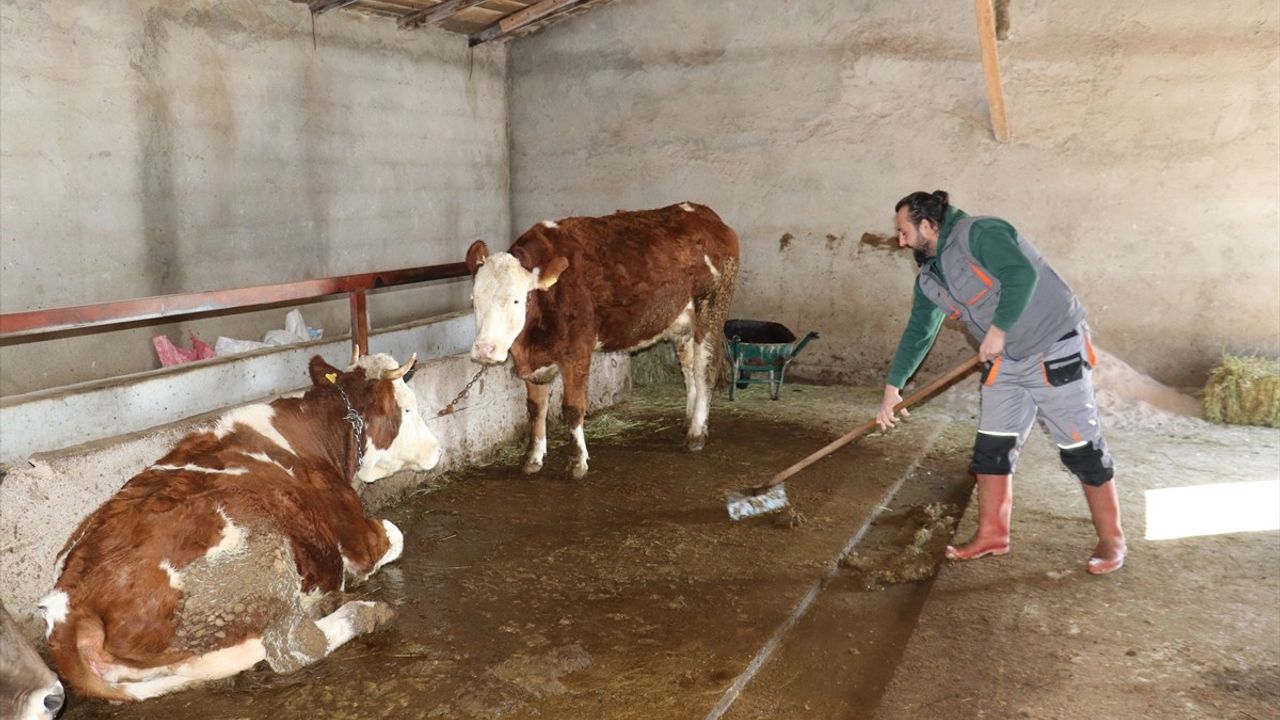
[835,653]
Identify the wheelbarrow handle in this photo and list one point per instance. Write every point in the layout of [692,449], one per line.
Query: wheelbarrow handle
[812,335]
[952,375]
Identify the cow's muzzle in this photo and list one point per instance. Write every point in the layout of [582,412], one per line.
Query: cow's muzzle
[487,353]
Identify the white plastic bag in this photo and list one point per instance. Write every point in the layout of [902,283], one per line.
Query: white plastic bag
[295,330]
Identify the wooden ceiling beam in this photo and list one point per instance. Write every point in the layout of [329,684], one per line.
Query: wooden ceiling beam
[516,20]
[991,69]
[319,7]
[436,13]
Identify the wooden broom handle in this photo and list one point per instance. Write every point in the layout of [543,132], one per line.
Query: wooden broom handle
[952,375]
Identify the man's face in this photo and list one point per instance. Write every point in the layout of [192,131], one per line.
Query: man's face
[921,240]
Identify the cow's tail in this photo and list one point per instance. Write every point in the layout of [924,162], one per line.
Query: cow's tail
[75,645]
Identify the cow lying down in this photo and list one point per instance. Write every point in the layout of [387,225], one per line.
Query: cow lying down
[219,555]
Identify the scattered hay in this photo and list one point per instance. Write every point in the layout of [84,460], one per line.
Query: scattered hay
[1244,390]
[610,427]
[511,454]
[789,519]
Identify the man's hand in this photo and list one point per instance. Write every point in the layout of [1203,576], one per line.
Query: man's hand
[992,345]
[885,418]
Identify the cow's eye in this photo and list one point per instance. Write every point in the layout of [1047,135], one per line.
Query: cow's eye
[516,301]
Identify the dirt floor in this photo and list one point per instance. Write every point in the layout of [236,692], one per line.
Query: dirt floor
[631,595]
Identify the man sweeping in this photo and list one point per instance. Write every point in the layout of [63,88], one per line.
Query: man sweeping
[1036,356]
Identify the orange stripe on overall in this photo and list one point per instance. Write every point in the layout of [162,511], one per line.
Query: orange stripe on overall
[995,370]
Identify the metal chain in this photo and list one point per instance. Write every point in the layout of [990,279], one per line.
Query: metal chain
[357,425]
[450,409]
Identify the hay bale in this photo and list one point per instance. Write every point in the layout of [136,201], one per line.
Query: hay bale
[656,365]
[1244,391]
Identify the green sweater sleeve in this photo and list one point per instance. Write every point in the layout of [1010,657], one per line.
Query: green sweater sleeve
[995,245]
[917,338]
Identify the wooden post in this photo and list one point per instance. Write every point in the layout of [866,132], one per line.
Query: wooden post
[991,68]
[359,323]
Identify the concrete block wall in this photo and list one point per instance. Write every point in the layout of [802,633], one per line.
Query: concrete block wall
[43,497]
[1146,142]
[151,147]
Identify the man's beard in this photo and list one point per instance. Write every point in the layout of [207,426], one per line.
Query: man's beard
[920,256]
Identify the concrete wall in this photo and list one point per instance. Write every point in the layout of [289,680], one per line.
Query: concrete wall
[150,147]
[44,497]
[1145,161]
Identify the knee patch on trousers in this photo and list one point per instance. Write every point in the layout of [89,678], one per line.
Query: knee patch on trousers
[994,454]
[1090,462]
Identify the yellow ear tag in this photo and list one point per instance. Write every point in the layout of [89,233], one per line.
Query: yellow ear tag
[332,377]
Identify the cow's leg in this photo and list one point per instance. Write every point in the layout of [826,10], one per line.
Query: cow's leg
[701,393]
[354,618]
[366,544]
[297,641]
[375,543]
[538,396]
[708,332]
[684,353]
[574,410]
[213,665]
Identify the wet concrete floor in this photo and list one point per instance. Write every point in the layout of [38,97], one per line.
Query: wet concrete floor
[630,594]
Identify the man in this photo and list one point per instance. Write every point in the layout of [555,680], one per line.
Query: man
[1036,353]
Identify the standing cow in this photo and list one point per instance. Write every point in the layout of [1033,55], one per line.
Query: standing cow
[620,282]
[28,690]
[217,556]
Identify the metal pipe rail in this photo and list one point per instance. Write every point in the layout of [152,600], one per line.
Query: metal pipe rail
[32,323]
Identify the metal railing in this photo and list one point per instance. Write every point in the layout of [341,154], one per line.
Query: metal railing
[32,323]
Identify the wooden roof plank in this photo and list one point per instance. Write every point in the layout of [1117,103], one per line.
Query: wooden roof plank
[515,21]
[320,7]
[437,13]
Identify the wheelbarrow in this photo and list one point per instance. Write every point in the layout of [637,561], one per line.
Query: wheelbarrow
[756,347]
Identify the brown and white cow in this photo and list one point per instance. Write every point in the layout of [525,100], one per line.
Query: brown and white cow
[620,282]
[218,555]
[28,689]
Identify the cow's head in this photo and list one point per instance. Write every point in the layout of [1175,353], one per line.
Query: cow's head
[395,436]
[500,296]
[28,689]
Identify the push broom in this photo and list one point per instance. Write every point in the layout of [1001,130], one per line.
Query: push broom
[772,495]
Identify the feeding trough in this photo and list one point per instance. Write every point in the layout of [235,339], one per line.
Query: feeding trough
[760,347]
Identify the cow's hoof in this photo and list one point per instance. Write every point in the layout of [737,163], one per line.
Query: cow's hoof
[698,442]
[367,616]
[578,470]
[531,466]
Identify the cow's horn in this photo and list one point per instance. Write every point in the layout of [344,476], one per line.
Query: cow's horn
[355,355]
[400,371]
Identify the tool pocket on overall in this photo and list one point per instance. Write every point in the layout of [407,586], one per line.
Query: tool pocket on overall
[1063,370]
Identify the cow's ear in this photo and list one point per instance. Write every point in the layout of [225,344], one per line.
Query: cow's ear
[322,373]
[476,255]
[548,275]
